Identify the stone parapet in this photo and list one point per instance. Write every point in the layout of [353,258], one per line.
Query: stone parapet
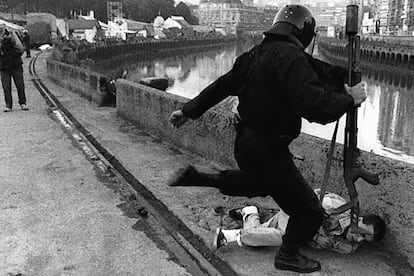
[77,79]
[213,134]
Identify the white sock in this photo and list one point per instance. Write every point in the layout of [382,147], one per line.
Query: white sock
[231,235]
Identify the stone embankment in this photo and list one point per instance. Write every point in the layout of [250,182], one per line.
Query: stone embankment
[77,79]
[110,51]
[380,60]
[212,137]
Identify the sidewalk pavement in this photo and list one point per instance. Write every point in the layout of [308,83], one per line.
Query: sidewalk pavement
[58,213]
[69,206]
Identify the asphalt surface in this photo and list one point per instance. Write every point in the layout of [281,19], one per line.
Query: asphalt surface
[60,215]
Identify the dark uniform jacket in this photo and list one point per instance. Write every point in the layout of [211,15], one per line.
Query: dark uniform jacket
[10,58]
[277,84]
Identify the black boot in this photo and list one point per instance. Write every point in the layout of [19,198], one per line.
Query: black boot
[187,176]
[190,176]
[296,262]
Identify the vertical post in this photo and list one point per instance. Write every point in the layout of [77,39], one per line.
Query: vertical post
[351,128]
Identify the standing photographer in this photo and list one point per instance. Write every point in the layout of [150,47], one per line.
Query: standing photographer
[11,62]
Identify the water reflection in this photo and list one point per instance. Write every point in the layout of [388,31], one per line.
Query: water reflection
[385,123]
[396,129]
[385,120]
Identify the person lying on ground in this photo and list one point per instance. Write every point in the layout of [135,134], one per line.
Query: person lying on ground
[335,234]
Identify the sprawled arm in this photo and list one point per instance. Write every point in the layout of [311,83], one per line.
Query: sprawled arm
[334,243]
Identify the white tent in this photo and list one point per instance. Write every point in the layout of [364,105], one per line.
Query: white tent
[171,23]
[62,28]
[10,26]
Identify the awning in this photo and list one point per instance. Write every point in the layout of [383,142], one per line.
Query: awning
[10,26]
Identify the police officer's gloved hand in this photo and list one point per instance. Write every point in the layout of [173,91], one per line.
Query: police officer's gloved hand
[358,92]
[178,118]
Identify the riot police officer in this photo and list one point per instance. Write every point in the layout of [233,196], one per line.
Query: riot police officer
[277,84]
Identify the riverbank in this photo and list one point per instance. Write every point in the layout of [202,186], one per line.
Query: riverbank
[382,61]
[80,53]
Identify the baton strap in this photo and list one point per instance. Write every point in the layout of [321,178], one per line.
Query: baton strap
[328,163]
[343,208]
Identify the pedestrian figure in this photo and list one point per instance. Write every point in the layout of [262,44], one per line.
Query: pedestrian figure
[335,234]
[26,41]
[277,84]
[11,67]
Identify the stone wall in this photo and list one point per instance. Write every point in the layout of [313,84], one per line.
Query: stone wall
[82,81]
[212,137]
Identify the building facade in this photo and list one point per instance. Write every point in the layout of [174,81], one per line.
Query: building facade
[230,15]
[330,19]
[269,15]
[383,16]
[396,17]
[407,17]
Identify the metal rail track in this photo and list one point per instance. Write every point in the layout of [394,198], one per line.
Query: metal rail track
[188,249]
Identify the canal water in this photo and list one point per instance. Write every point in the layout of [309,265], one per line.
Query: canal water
[385,120]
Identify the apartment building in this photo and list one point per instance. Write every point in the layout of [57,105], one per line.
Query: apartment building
[230,14]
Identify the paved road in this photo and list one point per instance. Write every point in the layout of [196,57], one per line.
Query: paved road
[60,216]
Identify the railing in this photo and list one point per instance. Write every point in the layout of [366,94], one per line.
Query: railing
[390,40]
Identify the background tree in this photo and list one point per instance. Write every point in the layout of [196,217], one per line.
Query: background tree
[147,10]
[141,10]
[183,10]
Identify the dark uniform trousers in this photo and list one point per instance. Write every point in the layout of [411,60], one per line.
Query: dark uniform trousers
[267,168]
[6,80]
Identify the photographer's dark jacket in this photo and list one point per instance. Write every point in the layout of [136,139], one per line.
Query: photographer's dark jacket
[277,84]
[10,58]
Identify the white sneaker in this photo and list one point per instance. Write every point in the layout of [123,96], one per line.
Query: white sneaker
[24,107]
[7,109]
[219,240]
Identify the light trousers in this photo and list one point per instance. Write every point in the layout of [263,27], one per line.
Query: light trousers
[266,234]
